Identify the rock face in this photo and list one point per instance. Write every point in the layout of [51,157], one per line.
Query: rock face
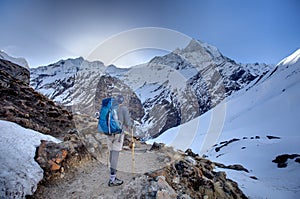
[21,104]
[110,86]
[87,128]
[187,177]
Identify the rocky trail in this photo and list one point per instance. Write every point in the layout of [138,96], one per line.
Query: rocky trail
[90,180]
[160,173]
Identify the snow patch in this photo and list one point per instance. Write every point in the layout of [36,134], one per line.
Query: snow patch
[19,173]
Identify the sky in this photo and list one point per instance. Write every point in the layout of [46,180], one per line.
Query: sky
[247,31]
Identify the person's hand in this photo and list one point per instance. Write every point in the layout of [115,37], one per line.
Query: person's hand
[127,133]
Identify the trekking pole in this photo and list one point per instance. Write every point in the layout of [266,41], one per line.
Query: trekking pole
[132,149]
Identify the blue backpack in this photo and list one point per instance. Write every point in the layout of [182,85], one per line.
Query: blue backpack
[108,119]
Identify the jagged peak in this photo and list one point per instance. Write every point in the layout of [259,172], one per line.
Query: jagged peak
[195,53]
[199,53]
[202,47]
[160,59]
[194,45]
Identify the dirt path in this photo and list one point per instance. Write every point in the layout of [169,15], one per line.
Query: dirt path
[90,179]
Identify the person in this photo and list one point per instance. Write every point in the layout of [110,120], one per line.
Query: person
[115,141]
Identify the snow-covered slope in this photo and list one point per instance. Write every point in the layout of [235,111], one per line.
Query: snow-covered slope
[19,172]
[261,122]
[19,61]
[68,82]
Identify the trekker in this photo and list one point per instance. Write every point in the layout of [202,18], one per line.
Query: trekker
[115,141]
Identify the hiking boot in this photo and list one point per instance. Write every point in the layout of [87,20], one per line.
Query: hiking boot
[116,182]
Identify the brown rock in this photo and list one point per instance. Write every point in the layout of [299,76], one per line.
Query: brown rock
[54,166]
[28,108]
[52,157]
[196,180]
[61,156]
[165,188]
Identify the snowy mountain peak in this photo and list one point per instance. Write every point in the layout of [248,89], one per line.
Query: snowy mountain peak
[292,59]
[199,54]
[196,54]
[68,80]
[19,61]
[204,48]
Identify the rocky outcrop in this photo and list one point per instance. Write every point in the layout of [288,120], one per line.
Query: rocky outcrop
[281,160]
[15,71]
[21,104]
[87,128]
[186,177]
[55,158]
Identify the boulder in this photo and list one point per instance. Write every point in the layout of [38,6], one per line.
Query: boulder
[54,158]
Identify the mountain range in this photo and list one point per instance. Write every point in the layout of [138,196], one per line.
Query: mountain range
[163,93]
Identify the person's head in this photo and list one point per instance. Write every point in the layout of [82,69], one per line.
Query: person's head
[120,99]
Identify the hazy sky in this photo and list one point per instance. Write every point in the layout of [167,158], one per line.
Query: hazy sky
[247,31]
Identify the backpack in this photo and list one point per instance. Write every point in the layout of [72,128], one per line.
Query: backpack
[108,119]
